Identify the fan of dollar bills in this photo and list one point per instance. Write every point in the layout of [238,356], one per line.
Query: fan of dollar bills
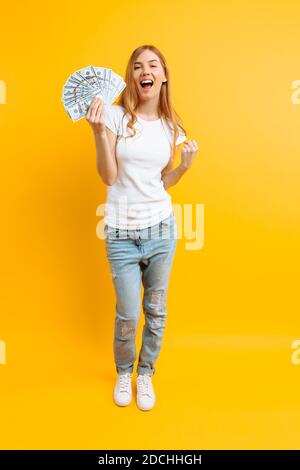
[84,84]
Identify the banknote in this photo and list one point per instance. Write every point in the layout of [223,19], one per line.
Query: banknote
[84,84]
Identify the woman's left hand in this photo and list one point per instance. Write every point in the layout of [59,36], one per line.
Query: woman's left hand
[188,153]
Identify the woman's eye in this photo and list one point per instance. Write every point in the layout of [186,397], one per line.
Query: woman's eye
[135,68]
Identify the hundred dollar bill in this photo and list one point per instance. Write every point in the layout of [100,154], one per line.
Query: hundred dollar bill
[86,83]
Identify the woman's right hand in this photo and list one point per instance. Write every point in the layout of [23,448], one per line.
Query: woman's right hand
[95,115]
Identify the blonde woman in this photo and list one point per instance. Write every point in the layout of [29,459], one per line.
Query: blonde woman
[136,141]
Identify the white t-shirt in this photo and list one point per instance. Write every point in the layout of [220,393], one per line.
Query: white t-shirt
[138,198]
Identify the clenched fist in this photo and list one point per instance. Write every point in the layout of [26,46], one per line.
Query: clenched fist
[188,153]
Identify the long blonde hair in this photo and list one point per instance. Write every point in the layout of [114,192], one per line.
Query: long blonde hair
[129,100]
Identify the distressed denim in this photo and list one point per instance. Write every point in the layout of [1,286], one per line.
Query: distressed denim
[136,257]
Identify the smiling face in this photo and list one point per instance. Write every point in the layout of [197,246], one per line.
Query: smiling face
[148,68]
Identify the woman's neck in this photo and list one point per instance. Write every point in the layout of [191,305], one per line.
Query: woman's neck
[148,110]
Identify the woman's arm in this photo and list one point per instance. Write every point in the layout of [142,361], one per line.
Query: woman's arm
[188,153]
[105,141]
[174,176]
[106,162]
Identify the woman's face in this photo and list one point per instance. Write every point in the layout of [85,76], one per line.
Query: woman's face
[147,66]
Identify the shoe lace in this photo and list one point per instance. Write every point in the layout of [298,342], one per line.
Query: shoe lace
[124,382]
[144,384]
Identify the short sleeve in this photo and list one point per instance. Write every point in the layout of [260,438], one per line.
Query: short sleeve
[112,114]
[181,138]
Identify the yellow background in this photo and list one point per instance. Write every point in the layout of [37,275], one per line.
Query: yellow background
[224,378]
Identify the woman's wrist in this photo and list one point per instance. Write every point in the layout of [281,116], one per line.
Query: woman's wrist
[183,167]
[100,133]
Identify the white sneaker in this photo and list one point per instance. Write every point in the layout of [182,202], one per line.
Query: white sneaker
[145,392]
[123,389]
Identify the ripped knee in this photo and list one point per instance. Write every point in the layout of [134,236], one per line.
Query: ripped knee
[156,302]
[125,329]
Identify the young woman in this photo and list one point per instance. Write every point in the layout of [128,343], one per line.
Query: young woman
[136,141]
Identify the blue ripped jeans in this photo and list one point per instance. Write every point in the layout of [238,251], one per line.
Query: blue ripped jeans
[141,256]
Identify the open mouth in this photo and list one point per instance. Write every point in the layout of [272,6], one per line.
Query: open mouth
[146,83]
